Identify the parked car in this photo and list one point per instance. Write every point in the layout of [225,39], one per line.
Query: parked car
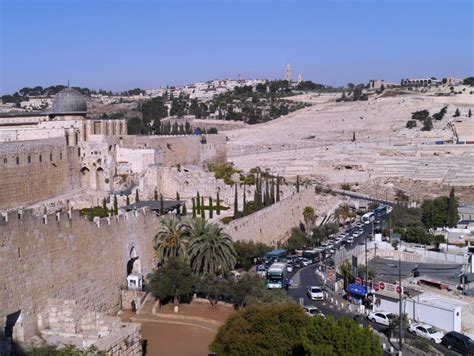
[298,263]
[458,342]
[289,267]
[305,262]
[427,331]
[311,310]
[381,317]
[315,293]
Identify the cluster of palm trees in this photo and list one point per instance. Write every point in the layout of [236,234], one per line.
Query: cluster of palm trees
[343,212]
[207,248]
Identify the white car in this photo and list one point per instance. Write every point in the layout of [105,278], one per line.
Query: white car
[427,331]
[311,310]
[381,317]
[305,262]
[315,293]
[289,267]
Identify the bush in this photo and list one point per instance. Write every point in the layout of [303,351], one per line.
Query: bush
[410,124]
[248,251]
[227,219]
[427,124]
[224,171]
[284,329]
[96,211]
[420,115]
[345,186]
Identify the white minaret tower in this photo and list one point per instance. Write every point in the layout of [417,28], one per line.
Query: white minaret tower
[288,73]
[300,78]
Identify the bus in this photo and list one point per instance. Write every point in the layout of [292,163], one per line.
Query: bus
[381,210]
[276,275]
[314,255]
[368,218]
[275,256]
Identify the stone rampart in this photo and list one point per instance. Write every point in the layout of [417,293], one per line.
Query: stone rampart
[66,256]
[32,171]
[272,225]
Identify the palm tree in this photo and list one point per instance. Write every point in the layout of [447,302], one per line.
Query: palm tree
[309,219]
[346,270]
[210,249]
[171,239]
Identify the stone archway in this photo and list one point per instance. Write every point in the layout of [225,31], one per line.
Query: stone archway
[85,177]
[133,264]
[100,179]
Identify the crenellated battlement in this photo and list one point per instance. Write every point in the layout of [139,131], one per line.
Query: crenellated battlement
[26,216]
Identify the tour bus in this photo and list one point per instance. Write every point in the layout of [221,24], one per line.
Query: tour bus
[276,275]
[314,255]
[275,256]
[381,210]
[368,217]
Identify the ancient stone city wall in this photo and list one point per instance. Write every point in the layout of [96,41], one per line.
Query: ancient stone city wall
[72,258]
[183,149]
[32,171]
[272,224]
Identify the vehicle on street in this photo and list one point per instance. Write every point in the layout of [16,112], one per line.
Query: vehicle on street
[289,267]
[367,218]
[305,262]
[274,256]
[298,263]
[426,331]
[261,270]
[380,211]
[311,310]
[350,240]
[316,293]
[314,255]
[276,275]
[381,317]
[458,342]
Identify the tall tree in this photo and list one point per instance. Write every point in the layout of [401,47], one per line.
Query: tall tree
[297,184]
[184,211]
[177,197]
[128,199]
[244,202]
[137,196]
[236,204]
[211,213]
[309,219]
[171,239]
[218,204]
[212,252]
[104,204]
[278,189]
[469,113]
[115,205]
[162,205]
[452,209]
[194,207]
[155,196]
[198,202]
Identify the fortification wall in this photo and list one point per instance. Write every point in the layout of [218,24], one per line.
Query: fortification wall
[32,171]
[190,149]
[69,257]
[272,224]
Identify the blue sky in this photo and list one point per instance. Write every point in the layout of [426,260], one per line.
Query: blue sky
[118,45]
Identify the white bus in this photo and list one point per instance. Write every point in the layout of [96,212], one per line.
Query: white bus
[276,275]
[368,218]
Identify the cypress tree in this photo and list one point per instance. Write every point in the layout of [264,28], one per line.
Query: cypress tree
[259,194]
[162,205]
[137,196]
[198,202]
[469,113]
[128,199]
[255,192]
[236,204]
[203,213]
[353,136]
[184,211]
[115,205]
[210,208]
[104,204]
[457,113]
[177,196]
[218,205]
[202,202]
[267,193]
[272,192]
[156,195]
[297,184]
[244,203]
[194,207]
[277,198]
[452,209]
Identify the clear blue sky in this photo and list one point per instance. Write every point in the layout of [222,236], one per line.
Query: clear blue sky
[118,45]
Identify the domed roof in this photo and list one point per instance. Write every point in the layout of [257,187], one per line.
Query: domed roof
[69,101]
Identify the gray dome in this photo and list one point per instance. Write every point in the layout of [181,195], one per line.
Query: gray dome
[69,101]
